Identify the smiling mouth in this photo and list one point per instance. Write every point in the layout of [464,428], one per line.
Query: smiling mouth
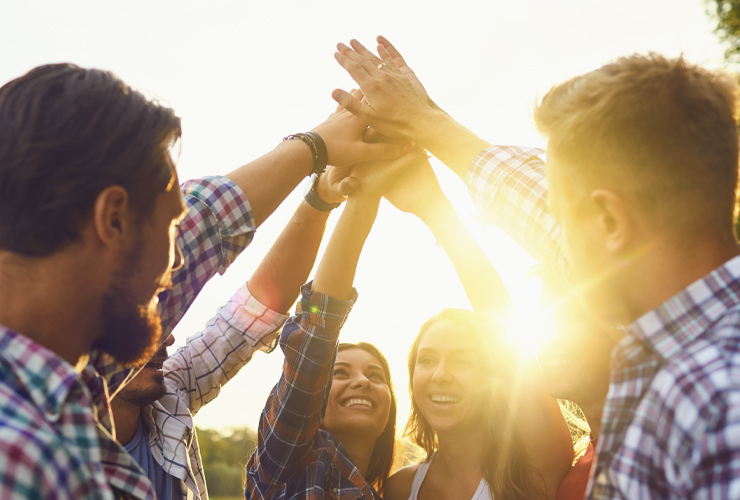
[558,362]
[358,402]
[154,365]
[444,399]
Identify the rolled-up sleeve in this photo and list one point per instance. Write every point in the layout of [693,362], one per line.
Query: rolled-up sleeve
[509,188]
[296,406]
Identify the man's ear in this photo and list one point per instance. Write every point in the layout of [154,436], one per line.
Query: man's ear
[111,215]
[613,219]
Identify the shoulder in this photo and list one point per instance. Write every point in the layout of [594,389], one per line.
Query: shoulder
[43,464]
[398,486]
[698,391]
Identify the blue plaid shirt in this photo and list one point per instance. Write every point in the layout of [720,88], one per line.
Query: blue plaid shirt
[294,459]
[671,422]
[56,436]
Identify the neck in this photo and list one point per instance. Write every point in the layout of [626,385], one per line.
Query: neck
[46,300]
[669,266]
[360,449]
[126,418]
[461,453]
[593,409]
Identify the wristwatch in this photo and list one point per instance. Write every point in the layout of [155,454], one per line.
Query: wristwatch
[312,197]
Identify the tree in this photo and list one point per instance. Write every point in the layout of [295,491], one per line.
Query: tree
[727,15]
[224,455]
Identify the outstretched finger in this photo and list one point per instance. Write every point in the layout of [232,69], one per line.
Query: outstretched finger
[353,93]
[374,60]
[352,104]
[360,59]
[353,67]
[389,60]
[392,51]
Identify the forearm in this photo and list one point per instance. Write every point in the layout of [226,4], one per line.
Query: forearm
[336,271]
[277,281]
[267,180]
[483,286]
[448,140]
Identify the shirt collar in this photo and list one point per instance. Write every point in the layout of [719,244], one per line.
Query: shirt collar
[45,376]
[678,322]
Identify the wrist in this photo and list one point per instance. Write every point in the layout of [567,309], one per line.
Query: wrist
[362,204]
[439,217]
[300,154]
[430,127]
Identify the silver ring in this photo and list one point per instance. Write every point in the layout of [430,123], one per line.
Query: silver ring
[381,65]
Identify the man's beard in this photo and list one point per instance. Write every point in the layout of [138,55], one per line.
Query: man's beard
[139,392]
[131,332]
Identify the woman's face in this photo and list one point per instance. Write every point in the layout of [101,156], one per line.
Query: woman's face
[449,381]
[359,399]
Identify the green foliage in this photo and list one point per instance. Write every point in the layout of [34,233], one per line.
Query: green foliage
[727,15]
[224,455]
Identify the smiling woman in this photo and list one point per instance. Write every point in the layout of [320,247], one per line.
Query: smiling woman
[362,402]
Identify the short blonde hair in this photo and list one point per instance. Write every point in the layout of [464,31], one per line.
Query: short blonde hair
[660,131]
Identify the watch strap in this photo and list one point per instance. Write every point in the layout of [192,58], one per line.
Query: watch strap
[312,198]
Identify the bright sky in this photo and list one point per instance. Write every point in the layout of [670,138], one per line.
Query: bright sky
[244,74]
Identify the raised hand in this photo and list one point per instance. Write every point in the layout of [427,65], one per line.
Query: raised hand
[397,104]
[343,135]
[416,190]
[376,178]
[387,51]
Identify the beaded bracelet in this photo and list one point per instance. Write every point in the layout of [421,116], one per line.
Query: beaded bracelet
[318,149]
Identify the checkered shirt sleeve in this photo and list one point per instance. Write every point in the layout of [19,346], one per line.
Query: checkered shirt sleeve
[508,186]
[212,357]
[296,406]
[671,422]
[218,226]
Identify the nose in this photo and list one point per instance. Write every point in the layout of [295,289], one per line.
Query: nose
[179,259]
[360,381]
[441,374]
[169,340]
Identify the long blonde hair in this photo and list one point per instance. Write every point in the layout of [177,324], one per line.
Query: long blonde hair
[505,466]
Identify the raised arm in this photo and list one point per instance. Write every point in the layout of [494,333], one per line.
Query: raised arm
[544,432]
[295,408]
[417,191]
[506,183]
[253,316]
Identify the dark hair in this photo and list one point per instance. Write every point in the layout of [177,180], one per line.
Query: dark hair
[67,133]
[505,466]
[381,460]
[661,131]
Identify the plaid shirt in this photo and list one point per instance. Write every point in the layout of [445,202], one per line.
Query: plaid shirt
[295,459]
[194,375]
[671,422]
[55,424]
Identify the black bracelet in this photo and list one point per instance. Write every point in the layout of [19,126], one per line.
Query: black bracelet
[318,149]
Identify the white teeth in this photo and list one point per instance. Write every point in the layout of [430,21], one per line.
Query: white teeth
[439,398]
[355,402]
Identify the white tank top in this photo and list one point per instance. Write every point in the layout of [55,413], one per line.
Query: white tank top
[482,493]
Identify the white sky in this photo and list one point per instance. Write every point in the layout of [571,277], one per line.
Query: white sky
[244,74]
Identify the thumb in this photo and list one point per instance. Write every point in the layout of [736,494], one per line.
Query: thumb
[348,185]
[350,103]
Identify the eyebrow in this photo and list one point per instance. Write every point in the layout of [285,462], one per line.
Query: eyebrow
[372,367]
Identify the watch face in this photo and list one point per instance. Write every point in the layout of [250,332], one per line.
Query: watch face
[313,178]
